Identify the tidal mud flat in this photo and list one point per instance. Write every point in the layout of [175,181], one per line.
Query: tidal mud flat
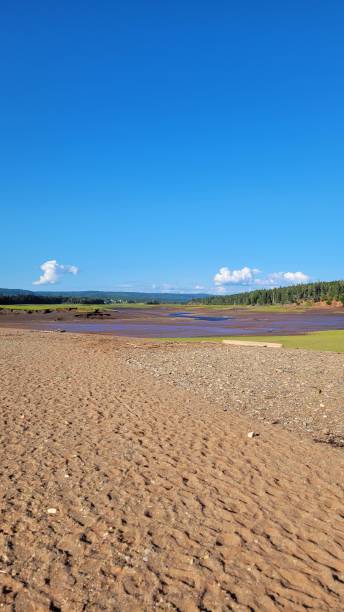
[165,321]
[125,485]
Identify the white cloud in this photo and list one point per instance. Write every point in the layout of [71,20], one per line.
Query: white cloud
[253,276]
[170,288]
[220,289]
[296,277]
[166,288]
[52,271]
[290,277]
[225,276]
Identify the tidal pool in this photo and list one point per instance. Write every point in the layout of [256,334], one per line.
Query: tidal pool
[190,315]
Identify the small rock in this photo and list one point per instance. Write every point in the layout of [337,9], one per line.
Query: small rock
[116,570]
[252,434]
[51,510]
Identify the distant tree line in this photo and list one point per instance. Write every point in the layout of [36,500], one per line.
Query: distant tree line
[310,292]
[32,298]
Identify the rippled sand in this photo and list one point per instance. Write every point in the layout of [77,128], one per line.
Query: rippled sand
[120,491]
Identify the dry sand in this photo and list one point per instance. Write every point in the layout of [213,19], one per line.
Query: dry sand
[120,491]
[298,389]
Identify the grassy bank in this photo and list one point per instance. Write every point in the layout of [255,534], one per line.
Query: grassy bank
[315,341]
[262,308]
[88,307]
[289,308]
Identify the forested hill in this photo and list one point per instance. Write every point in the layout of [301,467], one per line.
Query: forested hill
[311,292]
[21,296]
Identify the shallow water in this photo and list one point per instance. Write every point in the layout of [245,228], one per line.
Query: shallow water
[202,325]
[190,315]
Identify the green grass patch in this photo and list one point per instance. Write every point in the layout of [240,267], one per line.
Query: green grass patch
[88,307]
[144,305]
[149,306]
[263,308]
[316,341]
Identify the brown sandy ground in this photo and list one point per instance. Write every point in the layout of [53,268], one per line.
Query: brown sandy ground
[162,501]
[300,390]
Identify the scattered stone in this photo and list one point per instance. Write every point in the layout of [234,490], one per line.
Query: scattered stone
[116,570]
[287,388]
[252,434]
[51,510]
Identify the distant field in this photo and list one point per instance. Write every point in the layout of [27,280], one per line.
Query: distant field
[315,341]
[186,307]
[85,307]
[262,308]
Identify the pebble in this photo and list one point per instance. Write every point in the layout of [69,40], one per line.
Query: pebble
[116,570]
[51,510]
[278,393]
[252,434]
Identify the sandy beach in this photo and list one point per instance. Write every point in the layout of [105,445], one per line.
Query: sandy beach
[128,481]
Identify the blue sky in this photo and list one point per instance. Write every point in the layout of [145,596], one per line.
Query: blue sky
[150,144]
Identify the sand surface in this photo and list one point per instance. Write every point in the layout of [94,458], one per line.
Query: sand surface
[120,490]
[300,390]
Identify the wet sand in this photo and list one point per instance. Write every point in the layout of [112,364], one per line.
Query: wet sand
[165,321]
[122,491]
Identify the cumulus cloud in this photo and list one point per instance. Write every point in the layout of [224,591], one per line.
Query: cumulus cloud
[253,276]
[52,271]
[296,277]
[286,277]
[225,276]
[170,288]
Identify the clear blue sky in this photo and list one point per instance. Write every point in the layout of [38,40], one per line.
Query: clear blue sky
[153,143]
